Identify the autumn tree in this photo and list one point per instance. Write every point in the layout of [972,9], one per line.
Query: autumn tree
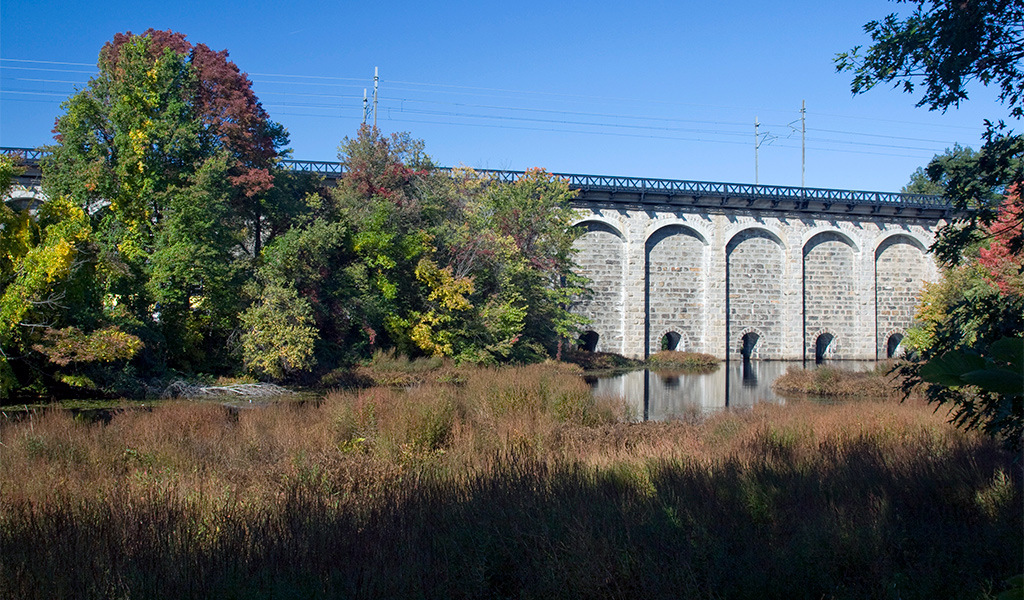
[169,153]
[970,331]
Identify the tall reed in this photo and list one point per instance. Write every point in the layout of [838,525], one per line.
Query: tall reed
[515,482]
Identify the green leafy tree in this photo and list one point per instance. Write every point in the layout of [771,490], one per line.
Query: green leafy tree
[278,335]
[381,197]
[943,46]
[171,156]
[971,329]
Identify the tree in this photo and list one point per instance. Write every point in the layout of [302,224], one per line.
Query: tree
[952,164]
[947,44]
[171,156]
[971,326]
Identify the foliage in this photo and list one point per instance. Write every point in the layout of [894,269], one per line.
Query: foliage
[176,228]
[956,163]
[43,258]
[950,44]
[1004,263]
[964,333]
[168,154]
[683,361]
[70,345]
[278,336]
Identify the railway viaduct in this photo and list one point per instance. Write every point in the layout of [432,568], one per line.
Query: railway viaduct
[732,270]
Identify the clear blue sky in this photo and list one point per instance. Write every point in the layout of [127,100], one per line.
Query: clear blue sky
[648,89]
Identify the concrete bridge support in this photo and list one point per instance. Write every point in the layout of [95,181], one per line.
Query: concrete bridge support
[763,284]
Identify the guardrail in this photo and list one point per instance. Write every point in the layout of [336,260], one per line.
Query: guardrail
[640,186]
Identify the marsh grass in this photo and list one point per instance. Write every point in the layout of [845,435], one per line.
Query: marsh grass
[838,382]
[683,362]
[515,483]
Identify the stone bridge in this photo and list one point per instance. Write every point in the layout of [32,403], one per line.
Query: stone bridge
[733,270]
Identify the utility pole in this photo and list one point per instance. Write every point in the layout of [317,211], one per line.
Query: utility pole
[366,107]
[375,80]
[803,142]
[757,143]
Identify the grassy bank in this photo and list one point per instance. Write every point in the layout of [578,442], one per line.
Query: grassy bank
[507,483]
[839,383]
[688,362]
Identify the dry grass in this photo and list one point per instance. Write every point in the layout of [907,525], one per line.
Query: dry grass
[514,482]
[690,362]
[837,382]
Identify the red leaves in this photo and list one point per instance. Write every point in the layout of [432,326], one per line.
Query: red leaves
[1004,265]
[223,97]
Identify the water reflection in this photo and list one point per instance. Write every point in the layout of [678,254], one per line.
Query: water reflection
[654,396]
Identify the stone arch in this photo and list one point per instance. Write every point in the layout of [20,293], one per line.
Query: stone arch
[601,257]
[830,291]
[676,223]
[21,199]
[825,345]
[594,223]
[817,235]
[893,343]
[675,264]
[755,267]
[750,343]
[895,237]
[759,230]
[589,341]
[902,264]
[682,341]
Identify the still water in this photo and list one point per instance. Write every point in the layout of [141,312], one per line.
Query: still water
[654,396]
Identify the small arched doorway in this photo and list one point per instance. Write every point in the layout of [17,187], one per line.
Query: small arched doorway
[748,345]
[824,347]
[894,346]
[588,341]
[670,341]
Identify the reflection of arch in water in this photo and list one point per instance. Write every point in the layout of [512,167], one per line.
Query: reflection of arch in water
[588,341]
[749,374]
[894,344]
[826,346]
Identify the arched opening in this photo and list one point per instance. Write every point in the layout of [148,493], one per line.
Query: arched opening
[748,349]
[823,347]
[588,341]
[893,348]
[670,341]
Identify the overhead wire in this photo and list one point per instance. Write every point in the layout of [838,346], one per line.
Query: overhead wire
[611,125]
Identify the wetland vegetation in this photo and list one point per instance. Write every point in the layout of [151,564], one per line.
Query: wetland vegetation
[505,482]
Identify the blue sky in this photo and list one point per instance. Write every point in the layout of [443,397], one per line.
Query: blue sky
[646,89]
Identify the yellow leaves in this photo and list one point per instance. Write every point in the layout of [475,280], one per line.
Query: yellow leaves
[445,289]
[63,226]
[437,342]
[432,330]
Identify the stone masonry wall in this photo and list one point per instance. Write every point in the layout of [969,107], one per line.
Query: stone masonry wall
[675,275]
[713,276]
[900,270]
[830,294]
[601,257]
[755,263]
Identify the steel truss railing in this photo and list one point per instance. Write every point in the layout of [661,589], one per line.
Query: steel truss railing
[644,189]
